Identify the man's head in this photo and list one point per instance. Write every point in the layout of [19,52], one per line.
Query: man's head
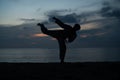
[76,27]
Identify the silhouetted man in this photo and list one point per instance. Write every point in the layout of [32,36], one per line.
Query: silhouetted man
[68,34]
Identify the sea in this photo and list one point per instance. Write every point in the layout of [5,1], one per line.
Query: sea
[38,55]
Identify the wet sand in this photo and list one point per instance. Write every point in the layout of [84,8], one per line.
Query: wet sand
[57,71]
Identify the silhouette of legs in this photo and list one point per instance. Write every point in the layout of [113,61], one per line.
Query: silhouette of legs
[53,33]
[62,47]
[61,41]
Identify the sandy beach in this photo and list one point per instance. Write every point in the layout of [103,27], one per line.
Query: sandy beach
[57,71]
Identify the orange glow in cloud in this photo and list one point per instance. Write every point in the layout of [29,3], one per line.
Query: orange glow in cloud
[89,26]
[39,35]
[84,35]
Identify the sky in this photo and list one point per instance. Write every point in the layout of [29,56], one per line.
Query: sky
[12,11]
[99,20]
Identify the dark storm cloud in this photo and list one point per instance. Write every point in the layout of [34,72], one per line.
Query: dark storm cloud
[66,15]
[69,18]
[19,36]
[105,36]
[111,8]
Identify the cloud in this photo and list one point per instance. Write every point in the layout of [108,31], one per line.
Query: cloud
[69,18]
[39,35]
[95,33]
[58,12]
[27,35]
[23,36]
[66,15]
[111,8]
[26,20]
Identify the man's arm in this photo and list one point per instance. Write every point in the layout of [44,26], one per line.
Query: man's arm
[61,24]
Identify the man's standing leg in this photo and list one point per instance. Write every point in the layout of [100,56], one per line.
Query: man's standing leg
[62,47]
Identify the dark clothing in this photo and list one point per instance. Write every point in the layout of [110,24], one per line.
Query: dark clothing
[61,36]
[67,34]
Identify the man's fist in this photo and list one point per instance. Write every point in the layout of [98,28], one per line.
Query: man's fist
[39,24]
[54,18]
